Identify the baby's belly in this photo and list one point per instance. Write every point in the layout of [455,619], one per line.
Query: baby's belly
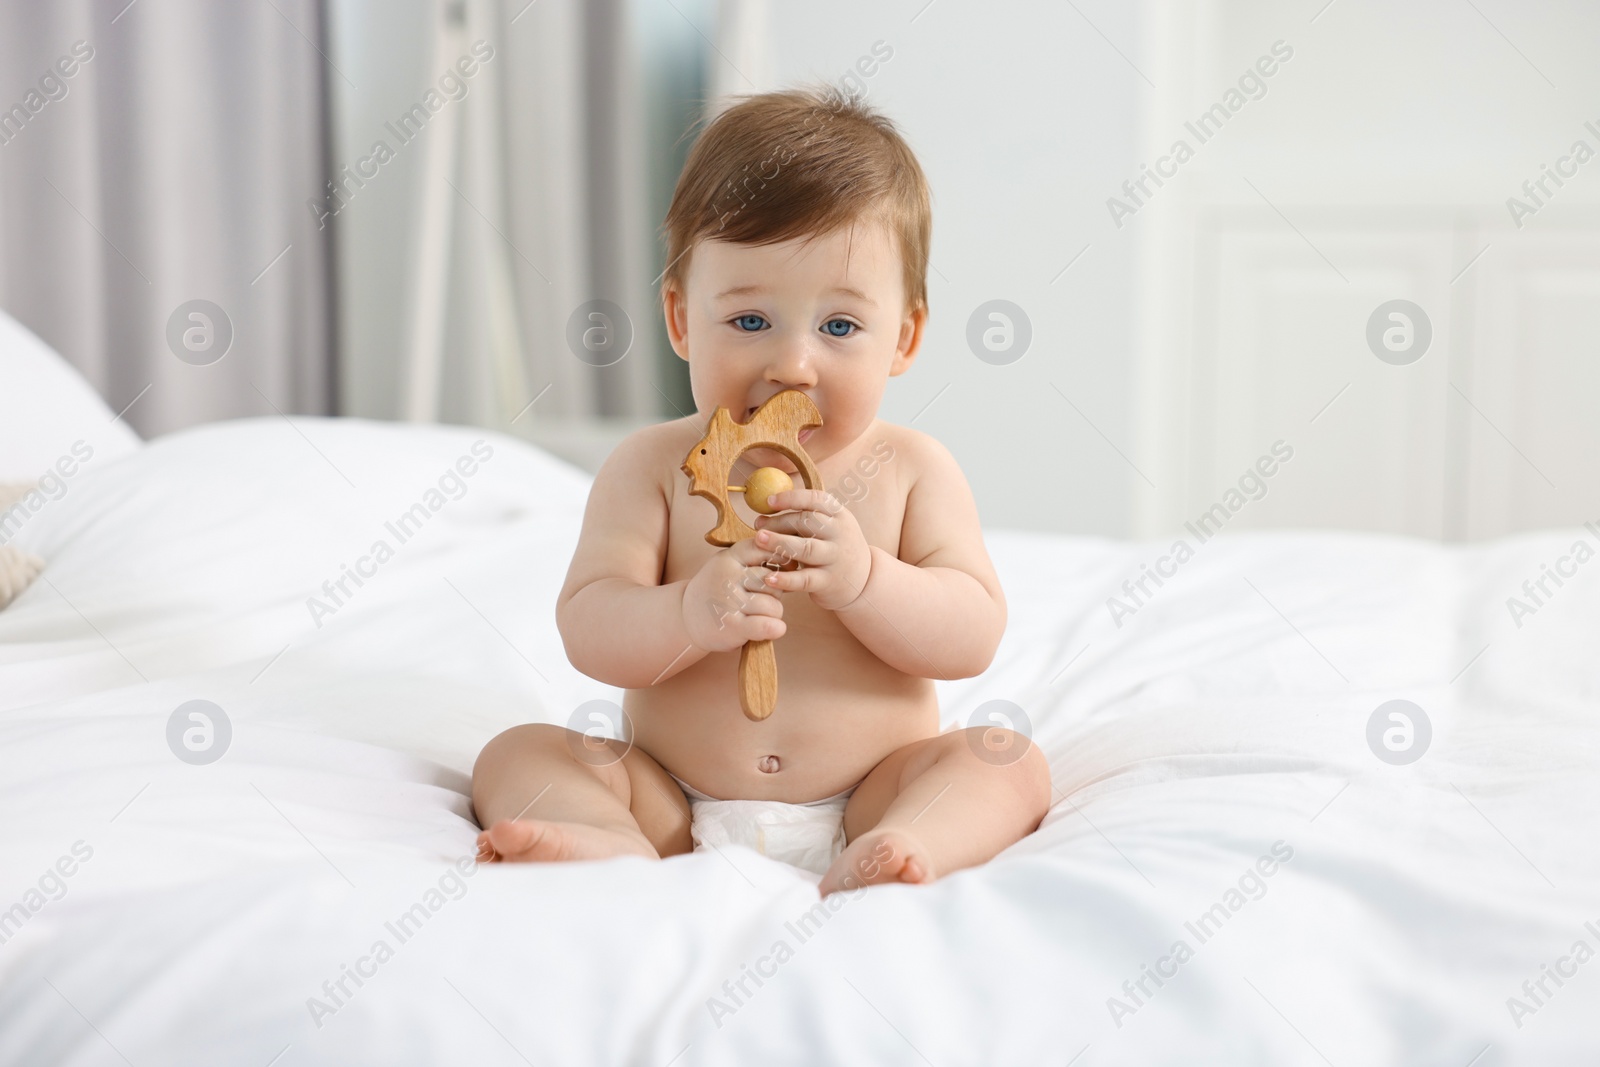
[840,711]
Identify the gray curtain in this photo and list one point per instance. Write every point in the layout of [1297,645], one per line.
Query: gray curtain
[599,97]
[539,190]
[173,164]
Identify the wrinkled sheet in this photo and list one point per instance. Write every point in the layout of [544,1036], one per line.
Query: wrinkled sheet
[1229,873]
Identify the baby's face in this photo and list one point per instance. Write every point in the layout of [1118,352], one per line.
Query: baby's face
[825,315]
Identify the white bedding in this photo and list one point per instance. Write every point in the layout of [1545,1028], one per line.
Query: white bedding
[50,418]
[1226,718]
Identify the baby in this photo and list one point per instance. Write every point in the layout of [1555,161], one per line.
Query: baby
[797,255]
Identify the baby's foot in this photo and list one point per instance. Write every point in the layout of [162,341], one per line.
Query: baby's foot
[540,841]
[879,856]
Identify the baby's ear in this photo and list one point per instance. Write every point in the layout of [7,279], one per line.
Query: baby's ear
[676,311]
[910,342]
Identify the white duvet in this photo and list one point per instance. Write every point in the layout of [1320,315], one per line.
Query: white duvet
[1230,874]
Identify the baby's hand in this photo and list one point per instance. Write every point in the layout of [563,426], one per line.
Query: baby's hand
[725,605]
[821,534]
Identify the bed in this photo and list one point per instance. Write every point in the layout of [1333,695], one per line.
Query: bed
[1238,868]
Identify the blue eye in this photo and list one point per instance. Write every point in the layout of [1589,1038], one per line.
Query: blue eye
[839,327]
[749,323]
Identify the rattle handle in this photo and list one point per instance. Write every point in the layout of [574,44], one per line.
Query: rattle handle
[758,679]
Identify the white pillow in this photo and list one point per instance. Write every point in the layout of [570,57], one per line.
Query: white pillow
[50,417]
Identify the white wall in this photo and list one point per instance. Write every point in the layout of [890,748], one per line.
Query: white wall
[1232,305]
[1023,117]
[1376,167]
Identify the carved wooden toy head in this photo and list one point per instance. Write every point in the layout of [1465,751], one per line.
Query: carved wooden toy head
[775,425]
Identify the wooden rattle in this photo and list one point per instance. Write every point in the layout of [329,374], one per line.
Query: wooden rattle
[775,425]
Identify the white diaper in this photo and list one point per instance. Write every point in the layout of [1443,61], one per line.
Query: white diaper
[809,836]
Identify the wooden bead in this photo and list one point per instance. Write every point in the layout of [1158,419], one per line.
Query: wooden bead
[761,484]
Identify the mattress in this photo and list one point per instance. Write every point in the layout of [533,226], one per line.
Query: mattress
[1319,798]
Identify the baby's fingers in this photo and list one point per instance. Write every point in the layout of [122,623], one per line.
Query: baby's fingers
[819,500]
[760,627]
[749,614]
[749,554]
[762,603]
[785,548]
[803,523]
[761,617]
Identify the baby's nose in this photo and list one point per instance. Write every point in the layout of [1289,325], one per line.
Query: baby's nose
[793,368]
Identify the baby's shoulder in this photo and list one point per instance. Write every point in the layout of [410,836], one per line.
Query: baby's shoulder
[645,461]
[919,455]
[652,453]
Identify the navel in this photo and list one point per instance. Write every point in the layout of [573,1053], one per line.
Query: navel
[768,765]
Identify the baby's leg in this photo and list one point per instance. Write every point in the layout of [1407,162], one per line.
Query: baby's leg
[544,793]
[939,805]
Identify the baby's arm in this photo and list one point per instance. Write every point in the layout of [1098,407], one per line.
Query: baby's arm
[618,623]
[936,611]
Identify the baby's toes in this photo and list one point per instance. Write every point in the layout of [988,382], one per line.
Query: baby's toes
[526,841]
[541,841]
[877,857]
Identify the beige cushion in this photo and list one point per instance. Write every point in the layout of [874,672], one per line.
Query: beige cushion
[18,569]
